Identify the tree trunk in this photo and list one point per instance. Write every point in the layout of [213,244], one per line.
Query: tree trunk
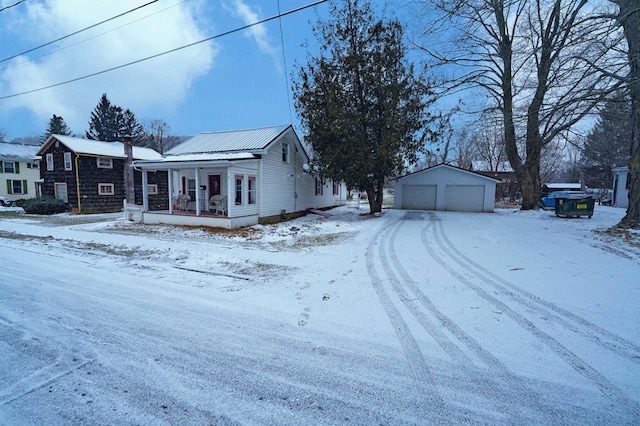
[375,195]
[630,20]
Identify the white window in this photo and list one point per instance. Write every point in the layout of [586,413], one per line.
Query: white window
[67,161]
[239,185]
[152,189]
[60,191]
[34,165]
[9,166]
[16,186]
[49,162]
[336,188]
[106,189]
[319,187]
[285,152]
[251,190]
[191,189]
[104,163]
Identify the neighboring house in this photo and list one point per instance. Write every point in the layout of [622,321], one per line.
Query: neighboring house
[19,169]
[620,187]
[89,175]
[445,187]
[239,178]
[508,189]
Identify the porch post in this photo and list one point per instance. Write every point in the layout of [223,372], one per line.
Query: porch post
[145,191]
[170,189]
[197,172]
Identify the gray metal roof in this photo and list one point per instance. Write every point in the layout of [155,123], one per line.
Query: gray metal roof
[231,141]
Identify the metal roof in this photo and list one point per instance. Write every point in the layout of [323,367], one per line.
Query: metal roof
[100,148]
[230,141]
[13,151]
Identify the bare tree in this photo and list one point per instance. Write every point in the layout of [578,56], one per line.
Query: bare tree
[159,138]
[628,17]
[544,64]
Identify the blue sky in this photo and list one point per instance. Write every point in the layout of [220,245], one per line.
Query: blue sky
[232,82]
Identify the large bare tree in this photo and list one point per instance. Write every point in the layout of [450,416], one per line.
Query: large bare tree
[544,64]
[628,17]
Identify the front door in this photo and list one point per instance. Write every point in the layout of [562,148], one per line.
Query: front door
[214,185]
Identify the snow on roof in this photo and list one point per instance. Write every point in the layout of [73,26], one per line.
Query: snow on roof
[12,151]
[562,185]
[229,141]
[101,148]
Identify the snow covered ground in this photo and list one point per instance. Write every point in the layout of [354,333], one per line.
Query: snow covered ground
[414,317]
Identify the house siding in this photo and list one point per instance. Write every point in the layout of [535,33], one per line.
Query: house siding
[84,195]
[23,172]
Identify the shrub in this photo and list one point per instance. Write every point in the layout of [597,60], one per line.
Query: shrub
[43,205]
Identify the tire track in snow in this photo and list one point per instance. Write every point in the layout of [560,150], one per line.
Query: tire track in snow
[512,384]
[581,367]
[597,335]
[421,372]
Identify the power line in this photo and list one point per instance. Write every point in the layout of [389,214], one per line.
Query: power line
[73,80]
[77,32]
[12,5]
[15,64]
[284,61]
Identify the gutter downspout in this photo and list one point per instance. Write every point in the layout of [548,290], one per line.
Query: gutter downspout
[78,183]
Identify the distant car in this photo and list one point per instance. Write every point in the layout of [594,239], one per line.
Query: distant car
[550,200]
[4,201]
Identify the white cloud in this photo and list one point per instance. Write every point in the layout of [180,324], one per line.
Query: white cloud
[154,84]
[257,32]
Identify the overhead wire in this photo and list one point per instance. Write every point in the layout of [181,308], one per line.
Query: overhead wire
[284,62]
[186,46]
[93,37]
[77,32]
[12,5]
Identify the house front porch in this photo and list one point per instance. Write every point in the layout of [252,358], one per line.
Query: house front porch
[190,218]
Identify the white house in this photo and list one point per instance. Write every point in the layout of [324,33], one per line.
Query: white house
[239,178]
[19,168]
[445,187]
[620,187]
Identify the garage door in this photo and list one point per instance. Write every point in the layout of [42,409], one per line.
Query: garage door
[419,197]
[464,198]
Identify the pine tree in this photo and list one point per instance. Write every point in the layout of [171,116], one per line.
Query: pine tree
[607,145]
[106,121]
[57,126]
[361,106]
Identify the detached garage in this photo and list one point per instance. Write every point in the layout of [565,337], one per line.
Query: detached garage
[445,187]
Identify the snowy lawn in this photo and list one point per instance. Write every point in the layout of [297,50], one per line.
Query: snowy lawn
[414,317]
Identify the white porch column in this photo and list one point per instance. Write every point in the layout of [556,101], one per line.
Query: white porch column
[145,191]
[197,171]
[170,190]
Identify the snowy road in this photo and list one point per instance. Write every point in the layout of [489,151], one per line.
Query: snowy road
[412,318]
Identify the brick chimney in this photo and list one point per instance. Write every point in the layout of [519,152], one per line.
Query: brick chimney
[128,171]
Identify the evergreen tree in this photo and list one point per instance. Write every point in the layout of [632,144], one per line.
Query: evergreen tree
[607,145]
[56,126]
[130,126]
[360,104]
[106,121]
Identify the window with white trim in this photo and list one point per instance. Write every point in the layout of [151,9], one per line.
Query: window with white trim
[152,189]
[104,163]
[251,189]
[60,192]
[106,189]
[16,186]
[239,187]
[336,188]
[9,166]
[67,161]
[285,152]
[49,158]
[319,187]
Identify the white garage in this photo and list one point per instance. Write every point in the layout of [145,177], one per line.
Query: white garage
[445,187]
